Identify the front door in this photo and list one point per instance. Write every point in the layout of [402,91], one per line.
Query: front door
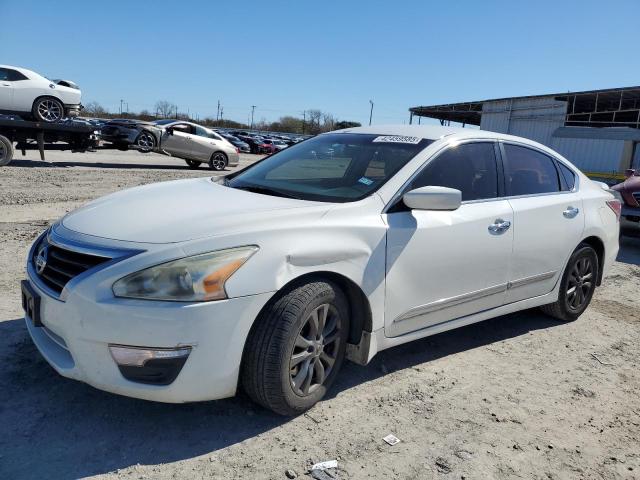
[549,219]
[443,265]
[178,142]
[6,90]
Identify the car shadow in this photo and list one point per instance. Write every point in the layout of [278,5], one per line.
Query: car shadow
[107,165]
[59,428]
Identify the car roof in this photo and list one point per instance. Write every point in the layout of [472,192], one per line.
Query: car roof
[435,132]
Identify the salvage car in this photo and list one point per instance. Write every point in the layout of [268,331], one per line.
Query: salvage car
[628,192]
[236,142]
[32,96]
[344,245]
[191,142]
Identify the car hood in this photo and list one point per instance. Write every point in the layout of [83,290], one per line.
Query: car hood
[182,210]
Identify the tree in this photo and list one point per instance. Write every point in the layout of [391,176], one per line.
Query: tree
[94,109]
[165,108]
[347,124]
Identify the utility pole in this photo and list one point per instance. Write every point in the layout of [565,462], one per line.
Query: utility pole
[121,102]
[371,112]
[127,104]
[253,108]
[304,120]
[218,114]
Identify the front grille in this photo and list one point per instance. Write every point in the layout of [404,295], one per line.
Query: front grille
[56,266]
[636,196]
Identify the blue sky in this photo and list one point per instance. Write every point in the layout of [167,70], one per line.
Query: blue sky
[288,56]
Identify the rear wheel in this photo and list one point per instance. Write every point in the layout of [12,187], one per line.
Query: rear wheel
[577,285]
[296,348]
[48,109]
[6,151]
[193,163]
[146,142]
[218,161]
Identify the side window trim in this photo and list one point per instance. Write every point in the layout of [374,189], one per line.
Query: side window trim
[555,164]
[397,198]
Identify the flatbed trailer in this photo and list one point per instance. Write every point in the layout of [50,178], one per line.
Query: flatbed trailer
[71,135]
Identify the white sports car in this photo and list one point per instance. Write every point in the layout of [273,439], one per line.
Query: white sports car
[343,245]
[27,93]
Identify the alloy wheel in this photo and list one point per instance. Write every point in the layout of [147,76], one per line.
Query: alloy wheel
[146,141]
[3,152]
[579,284]
[49,110]
[315,351]
[218,161]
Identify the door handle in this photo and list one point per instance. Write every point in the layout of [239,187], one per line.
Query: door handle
[499,226]
[571,212]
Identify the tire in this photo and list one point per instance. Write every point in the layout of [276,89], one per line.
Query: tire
[6,151]
[284,333]
[218,161]
[48,109]
[145,142]
[193,163]
[577,285]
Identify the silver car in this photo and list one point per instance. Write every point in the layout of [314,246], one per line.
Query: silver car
[189,141]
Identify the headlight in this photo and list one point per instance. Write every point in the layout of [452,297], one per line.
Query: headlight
[192,279]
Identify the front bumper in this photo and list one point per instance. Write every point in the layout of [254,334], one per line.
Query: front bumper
[628,211]
[76,333]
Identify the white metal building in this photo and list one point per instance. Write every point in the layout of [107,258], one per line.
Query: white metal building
[597,130]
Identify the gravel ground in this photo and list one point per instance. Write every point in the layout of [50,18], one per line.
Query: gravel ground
[519,396]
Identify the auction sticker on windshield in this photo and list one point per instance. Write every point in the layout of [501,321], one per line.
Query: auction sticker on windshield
[396,139]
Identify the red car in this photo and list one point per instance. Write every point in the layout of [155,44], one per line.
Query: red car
[629,195]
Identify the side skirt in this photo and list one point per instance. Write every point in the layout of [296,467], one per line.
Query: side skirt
[374,342]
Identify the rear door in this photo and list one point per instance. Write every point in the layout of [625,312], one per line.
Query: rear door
[443,265]
[203,144]
[548,219]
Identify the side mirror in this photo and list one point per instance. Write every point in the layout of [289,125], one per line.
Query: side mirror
[169,131]
[630,172]
[433,198]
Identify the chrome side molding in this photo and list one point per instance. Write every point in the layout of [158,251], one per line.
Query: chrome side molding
[443,303]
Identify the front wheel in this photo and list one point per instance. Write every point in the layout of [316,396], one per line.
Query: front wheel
[218,161]
[146,142]
[577,285]
[48,109]
[296,348]
[6,151]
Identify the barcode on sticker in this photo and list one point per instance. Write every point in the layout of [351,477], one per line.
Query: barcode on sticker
[396,139]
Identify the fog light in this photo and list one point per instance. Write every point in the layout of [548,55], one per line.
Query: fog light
[159,366]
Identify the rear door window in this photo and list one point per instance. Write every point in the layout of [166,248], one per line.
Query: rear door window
[529,172]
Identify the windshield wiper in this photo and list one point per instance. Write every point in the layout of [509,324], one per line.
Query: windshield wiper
[265,191]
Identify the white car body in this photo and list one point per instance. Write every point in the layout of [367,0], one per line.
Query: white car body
[417,272]
[17,95]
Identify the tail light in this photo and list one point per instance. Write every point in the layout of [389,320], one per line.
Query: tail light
[616,206]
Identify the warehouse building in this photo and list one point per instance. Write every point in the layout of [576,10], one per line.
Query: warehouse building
[597,130]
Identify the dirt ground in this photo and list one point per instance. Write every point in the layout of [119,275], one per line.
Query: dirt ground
[519,396]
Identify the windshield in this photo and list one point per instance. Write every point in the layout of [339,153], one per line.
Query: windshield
[337,167]
[164,122]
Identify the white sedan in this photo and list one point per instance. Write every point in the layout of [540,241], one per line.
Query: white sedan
[25,92]
[338,247]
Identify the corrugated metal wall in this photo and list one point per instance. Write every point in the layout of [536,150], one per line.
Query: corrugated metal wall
[591,155]
[538,118]
[534,118]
